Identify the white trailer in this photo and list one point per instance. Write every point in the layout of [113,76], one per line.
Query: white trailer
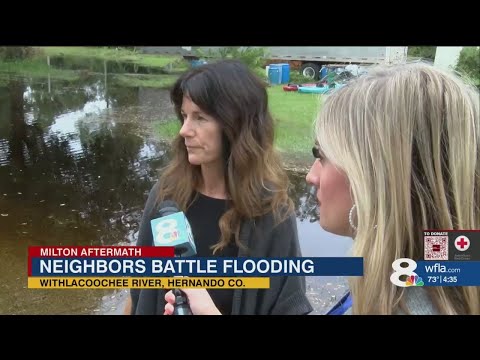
[312,58]
[309,59]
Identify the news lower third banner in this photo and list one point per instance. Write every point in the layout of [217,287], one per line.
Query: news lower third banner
[97,267]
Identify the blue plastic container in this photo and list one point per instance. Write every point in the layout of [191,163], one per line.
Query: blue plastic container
[274,74]
[285,73]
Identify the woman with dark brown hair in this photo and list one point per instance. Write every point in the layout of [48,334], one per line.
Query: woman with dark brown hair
[228,179]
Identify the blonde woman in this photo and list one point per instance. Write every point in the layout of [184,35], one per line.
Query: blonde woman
[398,152]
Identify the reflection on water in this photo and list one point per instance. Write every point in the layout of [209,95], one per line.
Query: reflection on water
[76,165]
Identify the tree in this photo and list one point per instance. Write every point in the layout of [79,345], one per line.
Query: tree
[424,52]
[253,57]
[469,63]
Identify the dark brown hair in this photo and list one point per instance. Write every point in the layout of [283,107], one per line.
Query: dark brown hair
[256,181]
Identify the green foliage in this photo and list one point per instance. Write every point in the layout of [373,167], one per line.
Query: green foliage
[424,52]
[119,54]
[298,78]
[129,48]
[261,73]
[16,52]
[37,68]
[253,57]
[469,63]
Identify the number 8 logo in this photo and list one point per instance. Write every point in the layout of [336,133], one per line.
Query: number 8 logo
[399,271]
[166,231]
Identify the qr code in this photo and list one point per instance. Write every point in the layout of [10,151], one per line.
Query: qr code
[435,247]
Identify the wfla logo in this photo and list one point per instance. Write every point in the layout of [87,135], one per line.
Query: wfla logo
[412,279]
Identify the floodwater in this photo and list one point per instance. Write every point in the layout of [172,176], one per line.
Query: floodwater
[77,160]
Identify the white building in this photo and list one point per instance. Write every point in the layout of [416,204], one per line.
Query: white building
[446,57]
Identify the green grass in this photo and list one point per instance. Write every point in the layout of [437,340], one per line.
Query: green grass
[158,81]
[88,51]
[37,67]
[294,114]
[104,53]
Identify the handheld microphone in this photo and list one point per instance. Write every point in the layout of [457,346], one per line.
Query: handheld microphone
[171,228]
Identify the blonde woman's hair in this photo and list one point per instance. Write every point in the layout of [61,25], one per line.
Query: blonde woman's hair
[408,139]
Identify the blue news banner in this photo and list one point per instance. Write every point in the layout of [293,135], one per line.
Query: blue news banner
[197,266]
[447,273]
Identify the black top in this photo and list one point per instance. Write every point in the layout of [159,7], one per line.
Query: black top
[203,216]
[262,238]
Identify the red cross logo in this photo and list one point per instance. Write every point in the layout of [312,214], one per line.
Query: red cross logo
[462,243]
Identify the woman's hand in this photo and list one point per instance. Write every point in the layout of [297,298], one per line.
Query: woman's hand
[200,302]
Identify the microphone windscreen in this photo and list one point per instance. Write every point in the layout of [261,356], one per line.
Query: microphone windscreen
[167,207]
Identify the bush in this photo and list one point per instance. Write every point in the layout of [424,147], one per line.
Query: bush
[298,78]
[423,52]
[16,52]
[252,57]
[469,62]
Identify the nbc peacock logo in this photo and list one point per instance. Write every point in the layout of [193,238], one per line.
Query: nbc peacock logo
[405,276]
[167,231]
[414,280]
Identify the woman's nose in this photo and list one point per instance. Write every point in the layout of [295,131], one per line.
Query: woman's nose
[312,177]
[186,130]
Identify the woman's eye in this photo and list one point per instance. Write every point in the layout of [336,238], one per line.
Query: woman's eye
[317,154]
